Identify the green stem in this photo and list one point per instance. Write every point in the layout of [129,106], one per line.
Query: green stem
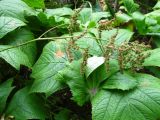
[50,30]
[41,39]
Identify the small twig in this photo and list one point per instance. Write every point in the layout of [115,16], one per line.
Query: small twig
[50,30]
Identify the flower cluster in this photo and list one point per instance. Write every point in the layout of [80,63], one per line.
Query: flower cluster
[132,55]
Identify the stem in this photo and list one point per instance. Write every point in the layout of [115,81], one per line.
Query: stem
[41,39]
[50,30]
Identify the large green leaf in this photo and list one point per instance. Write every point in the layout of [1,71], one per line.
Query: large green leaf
[142,103]
[14,56]
[21,36]
[50,62]
[5,89]
[153,59]
[35,3]
[8,24]
[121,81]
[15,8]
[26,106]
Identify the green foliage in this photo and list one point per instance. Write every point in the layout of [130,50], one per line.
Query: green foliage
[130,6]
[5,90]
[20,36]
[8,24]
[153,60]
[35,3]
[140,103]
[15,8]
[120,81]
[157,6]
[52,60]
[14,56]
[60,63]
[34,109]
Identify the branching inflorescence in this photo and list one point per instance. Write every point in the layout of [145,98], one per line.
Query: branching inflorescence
[73,27]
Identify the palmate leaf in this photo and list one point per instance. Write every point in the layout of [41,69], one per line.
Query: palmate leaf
[14,56]
[142,103]
[20,36]
[5,89]
[52,60]
[26,106]
[121,81]
[153,59]
[8,24]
